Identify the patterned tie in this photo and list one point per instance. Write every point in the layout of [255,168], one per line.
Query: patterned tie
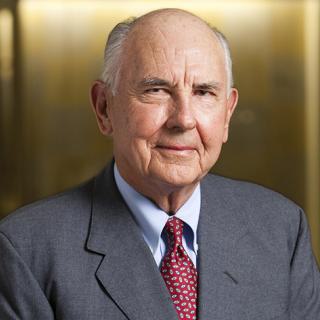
[179,273]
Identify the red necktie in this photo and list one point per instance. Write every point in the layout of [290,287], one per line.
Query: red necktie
[179,273]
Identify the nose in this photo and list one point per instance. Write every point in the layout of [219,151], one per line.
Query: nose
[181,116]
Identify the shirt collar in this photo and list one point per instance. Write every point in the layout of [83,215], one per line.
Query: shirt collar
[151,218]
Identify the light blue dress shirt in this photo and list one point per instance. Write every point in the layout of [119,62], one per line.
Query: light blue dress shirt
[152,219]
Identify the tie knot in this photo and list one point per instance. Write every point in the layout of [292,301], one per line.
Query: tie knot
[174,228]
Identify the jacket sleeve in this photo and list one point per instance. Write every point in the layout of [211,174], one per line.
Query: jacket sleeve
[305,277]
[20,294]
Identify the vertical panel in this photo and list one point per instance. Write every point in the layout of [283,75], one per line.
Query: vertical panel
[6,70]
[8,197]
[312,87]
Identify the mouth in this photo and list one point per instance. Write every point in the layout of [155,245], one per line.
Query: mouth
[176,149]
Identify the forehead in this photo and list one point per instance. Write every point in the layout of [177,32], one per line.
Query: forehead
[173,48]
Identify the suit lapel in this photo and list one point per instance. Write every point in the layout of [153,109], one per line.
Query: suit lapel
[220,228]
[128,271]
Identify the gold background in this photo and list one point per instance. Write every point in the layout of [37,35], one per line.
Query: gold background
[51,51]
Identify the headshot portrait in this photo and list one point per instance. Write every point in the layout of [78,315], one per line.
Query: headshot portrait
[173,197]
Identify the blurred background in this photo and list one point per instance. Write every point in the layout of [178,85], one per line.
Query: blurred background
[51,51]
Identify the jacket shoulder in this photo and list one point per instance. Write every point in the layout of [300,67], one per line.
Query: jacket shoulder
[247,192]
[258,204]
[50,215]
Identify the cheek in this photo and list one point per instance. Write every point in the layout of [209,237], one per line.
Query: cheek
[211,129]
[144,121]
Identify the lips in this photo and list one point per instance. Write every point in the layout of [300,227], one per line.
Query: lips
[176,147]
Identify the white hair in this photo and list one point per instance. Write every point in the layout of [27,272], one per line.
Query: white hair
[114,47]
[113,52]
[227,56]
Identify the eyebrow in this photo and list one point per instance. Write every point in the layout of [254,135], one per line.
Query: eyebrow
[213,85]
[154,81]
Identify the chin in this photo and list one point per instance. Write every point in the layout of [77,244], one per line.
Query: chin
[178,178]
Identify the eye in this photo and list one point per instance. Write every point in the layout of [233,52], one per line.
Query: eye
[203,93]
[155,90]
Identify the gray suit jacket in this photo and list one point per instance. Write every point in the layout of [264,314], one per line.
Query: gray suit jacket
[80,255]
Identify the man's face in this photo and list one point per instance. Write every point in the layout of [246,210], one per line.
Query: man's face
[171,112]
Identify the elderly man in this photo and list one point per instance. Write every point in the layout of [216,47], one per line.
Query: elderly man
[154,237]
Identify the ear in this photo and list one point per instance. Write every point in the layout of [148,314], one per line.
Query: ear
[99,102]
[231,105]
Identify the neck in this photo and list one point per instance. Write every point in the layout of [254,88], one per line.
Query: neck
[169,202]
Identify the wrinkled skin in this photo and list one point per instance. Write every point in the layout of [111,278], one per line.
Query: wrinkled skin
[171,111]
